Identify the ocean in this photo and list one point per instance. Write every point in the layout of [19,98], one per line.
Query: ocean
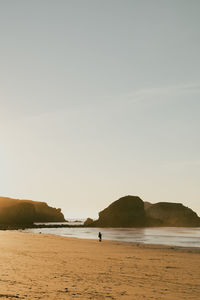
[172,236]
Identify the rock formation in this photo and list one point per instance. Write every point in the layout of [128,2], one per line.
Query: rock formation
[172,214]
[14,211]
[131,211]
[125,212]
[88,222]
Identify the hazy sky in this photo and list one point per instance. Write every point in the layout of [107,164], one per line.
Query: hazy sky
[98,100]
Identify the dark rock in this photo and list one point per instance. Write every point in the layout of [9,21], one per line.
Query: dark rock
[125,212]
[172,214]
[18,213]
[131,211]
[15,211]
[88,221]
[46,213]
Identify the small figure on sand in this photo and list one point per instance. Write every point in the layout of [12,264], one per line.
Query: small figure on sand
[100,236]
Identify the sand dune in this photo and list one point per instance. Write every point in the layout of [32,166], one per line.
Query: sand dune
[41,266]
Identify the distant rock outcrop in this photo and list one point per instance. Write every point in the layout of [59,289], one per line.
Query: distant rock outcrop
[125,212]
[171,214]
[14,211]
[131,211]
[88,222]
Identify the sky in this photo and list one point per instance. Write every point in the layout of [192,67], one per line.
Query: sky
[98,100]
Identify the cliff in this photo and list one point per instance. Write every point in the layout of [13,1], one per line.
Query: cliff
[131,211]
[15,211]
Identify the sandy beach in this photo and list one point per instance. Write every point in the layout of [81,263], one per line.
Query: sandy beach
[37,266]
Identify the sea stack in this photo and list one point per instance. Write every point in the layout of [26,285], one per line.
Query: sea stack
[131,211]
[127,211]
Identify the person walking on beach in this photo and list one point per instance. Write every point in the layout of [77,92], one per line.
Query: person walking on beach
[100,236]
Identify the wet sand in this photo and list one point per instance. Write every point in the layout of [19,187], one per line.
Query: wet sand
[37,266]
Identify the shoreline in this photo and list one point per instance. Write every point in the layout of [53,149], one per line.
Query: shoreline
[136,244]
[172,237]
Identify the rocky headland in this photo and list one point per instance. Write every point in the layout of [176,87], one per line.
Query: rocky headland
[18,212]
[131,211]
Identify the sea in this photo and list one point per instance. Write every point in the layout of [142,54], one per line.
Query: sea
[171,236]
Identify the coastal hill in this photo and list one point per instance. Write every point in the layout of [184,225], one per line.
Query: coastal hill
[125,212]
[131,211]
[172,214]
[15,211]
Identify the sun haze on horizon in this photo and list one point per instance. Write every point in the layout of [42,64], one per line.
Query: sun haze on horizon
[100,99]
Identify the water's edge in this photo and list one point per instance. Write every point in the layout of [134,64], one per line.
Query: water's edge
[169,236]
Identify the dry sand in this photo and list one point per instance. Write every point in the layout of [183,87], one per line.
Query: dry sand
[37,266]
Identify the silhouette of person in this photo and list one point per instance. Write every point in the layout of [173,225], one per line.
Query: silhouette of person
[100,236]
